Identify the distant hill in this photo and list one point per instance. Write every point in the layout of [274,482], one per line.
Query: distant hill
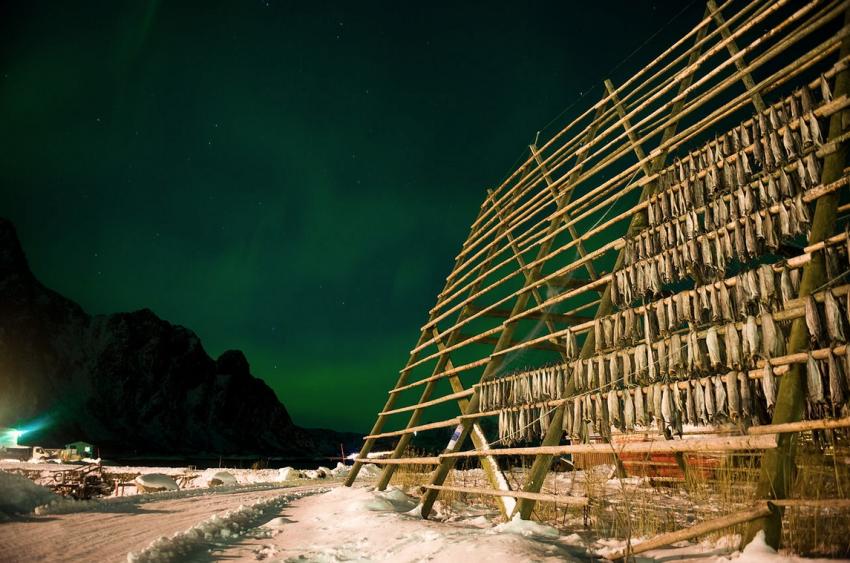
[130,382]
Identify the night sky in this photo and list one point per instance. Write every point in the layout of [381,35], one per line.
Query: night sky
[289,179]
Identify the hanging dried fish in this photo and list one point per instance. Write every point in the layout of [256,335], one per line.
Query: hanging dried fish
[683,306]
[708,397]
[657,404]
[786,188]
[699,402]
[598,339]
[614,415]
[666,405]
[640,361]
[788,143]
[661,316]
[812,320]
[613,369]
[745,136]
[693,351]
[740,247]
[650,363]
[806,102]
[812,170]
[786,292]
[672,323]
[771,242]
[750,334]
[608,331]
[746,396]
[751,286]
[775,122]
[837,392]
[768,386]
[750,242]
[832,315]
[727,312]
[690,407]
[639,406]
[805,132]
[776,148]
[602,421]
[663,357]
[766,282]
[758,149]
[733,347]
[825,92]
[571,346]
[784,221]
[814,381]
[602,372]
[814,128]
[773,341]
[719,395]
[713,345]
[628,411]
[732,395]
[676,353]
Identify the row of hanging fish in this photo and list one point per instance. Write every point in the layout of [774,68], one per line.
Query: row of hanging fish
[524,423]
[526,387]
[717,349]
[721,165]
[673,214]
[668,406]
[827,386]
[755,290]
[826,323]
[709,254]
[678,227]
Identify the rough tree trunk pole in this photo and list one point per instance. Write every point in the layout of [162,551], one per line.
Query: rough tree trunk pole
[778,465]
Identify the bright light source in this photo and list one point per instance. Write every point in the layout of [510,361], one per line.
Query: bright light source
[13,436]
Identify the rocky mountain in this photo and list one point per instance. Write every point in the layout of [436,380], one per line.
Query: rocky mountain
[129,382]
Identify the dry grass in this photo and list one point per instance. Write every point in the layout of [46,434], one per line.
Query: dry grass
[643,507]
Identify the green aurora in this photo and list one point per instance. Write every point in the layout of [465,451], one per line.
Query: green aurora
[289,179]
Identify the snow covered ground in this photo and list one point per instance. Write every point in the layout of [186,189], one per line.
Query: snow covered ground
[264,517]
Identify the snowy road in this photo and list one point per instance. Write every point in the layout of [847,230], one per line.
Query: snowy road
[112,530]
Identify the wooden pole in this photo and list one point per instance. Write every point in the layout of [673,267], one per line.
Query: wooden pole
[554,432]
[492,366]
[778,466]
[697,530]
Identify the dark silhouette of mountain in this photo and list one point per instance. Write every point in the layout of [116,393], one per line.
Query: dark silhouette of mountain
[130,382]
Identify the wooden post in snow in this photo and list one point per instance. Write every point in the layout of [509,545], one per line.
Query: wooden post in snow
[778,465]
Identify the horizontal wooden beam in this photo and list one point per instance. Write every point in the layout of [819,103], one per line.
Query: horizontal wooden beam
[801,426]
[412,429]
[560,499]
[498,313]
[700,529]
[432,402]
[730,443]
[546,346]
[402,461]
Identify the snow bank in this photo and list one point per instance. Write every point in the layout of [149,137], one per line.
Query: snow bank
[286,473]
[526,528]
[228,526]
[152,482]
[217,478]
[19,495]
